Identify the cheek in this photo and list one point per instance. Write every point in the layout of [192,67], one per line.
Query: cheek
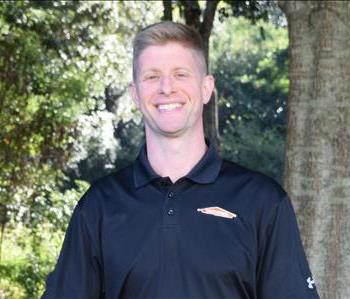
[146,92]
[192,90]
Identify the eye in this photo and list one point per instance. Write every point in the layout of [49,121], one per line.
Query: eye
[151,77]
[181,75]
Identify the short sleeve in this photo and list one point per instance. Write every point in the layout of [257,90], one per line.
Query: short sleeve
[282,270]
[77,274]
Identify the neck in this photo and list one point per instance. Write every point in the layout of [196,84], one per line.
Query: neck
[174,157]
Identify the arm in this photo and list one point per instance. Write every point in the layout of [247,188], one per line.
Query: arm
[282,270]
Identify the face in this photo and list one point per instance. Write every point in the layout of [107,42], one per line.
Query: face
[170,90]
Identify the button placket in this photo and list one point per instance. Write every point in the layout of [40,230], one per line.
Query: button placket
[170,211]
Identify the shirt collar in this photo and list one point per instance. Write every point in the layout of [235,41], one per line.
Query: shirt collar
[204,172]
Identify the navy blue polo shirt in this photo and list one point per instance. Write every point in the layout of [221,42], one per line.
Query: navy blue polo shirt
[135,234]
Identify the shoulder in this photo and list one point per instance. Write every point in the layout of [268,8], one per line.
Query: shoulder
[256,193]
[258,197]
[121,178]
[106,188]
[253,182]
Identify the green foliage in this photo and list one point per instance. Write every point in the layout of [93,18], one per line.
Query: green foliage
[131,134]
[56,57]
[253,10]
[41,90]
[31,252]
[252,84]
[23,276]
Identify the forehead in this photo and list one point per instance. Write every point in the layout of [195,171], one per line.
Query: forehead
[171,54]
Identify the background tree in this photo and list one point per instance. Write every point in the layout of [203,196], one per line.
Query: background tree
[317,157]
[43,45]
[39,94]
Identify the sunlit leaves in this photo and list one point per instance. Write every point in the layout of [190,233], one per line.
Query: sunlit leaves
[44,84]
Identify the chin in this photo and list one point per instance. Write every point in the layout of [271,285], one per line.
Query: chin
[172,134]
[168,131]
[165,131]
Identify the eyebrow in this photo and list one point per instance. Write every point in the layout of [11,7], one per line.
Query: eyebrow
[150,71]
[182,69]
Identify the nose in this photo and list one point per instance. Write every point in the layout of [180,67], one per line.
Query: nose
[166,86]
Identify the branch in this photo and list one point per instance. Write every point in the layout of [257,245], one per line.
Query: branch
[208,19]
[207,25]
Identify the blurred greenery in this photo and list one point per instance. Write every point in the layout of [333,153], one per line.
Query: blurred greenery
[67,119]
[249,64]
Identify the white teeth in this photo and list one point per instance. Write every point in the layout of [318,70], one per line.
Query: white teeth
[168,107]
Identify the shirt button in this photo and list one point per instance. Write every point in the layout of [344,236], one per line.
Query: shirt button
[170,194]
[171,212]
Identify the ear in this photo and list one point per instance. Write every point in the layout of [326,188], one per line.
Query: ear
[133,93]
[207,88]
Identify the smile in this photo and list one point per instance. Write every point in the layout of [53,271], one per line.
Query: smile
[169,107]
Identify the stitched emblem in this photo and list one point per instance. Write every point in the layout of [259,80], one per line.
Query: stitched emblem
[217,211]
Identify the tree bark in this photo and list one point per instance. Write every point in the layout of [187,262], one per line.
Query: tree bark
[317,157]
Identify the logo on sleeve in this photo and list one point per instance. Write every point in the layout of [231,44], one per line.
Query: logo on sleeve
[310,282]
[217,211]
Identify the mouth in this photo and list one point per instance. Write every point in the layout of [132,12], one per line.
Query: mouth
[169,107]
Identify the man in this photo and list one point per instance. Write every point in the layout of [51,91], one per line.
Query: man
[180,222]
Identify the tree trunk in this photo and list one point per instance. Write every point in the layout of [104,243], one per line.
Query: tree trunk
[168,10]
[3,221]
[211,113]
[2,233]
[317,160]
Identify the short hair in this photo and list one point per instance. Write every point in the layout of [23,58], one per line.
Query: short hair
[164,32]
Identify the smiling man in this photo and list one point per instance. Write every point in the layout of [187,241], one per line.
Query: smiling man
[170,88]
[180,222]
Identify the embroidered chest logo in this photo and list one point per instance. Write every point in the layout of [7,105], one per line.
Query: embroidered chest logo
[310,282]
[217,211]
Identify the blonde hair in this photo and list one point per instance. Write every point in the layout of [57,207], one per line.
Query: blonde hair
[164,32]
